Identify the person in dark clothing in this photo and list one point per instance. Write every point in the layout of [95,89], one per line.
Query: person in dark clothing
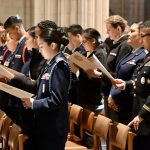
[31,69]
[74,33]
[89,87]
[14,27]
[141,89]
[120,101]
[115,26]
[37,60]
[50,105]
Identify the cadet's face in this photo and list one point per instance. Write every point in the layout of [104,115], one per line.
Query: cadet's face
[44,49]
[73,40]
[145,35]
[11,44]
[30,42]
[134,38]
[13,33]
[112,32]
[88,44]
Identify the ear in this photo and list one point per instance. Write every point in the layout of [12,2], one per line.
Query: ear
[53,45]
[79,36]
[17,28]
[94,41]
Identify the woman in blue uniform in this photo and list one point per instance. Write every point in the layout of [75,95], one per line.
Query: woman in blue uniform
[50,103]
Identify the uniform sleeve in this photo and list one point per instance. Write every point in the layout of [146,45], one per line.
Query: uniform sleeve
[58,92]
[145,111]
[24,83]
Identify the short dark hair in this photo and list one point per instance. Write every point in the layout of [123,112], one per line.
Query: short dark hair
[13,21]
[47,24]
[75,29]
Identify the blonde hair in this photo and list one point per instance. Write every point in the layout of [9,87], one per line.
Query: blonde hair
[116,21]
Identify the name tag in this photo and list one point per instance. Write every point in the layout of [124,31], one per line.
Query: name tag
[43,88]
[131,62]
[46,76]
[113,54]
[17,56]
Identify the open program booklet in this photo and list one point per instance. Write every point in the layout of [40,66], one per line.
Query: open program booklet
[90,63]
[15,91]
[9,73]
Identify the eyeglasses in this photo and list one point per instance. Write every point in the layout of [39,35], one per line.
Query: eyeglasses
[142,36]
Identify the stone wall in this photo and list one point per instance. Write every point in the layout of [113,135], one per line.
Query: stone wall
[88,13]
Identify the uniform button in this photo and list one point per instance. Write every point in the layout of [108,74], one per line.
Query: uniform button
[134,95]
[138,72]
[134,87]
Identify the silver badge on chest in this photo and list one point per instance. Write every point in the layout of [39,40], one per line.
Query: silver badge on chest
[142,80]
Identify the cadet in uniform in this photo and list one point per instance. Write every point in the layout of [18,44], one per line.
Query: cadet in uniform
[50,104]
[14,27]
[120,101]
[141,89]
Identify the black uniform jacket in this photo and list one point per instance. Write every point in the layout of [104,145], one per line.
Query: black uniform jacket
[51,101]
[141,89]
[120,49]
[89,90]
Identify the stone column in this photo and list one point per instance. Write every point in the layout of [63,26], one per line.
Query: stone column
[38,10]
[88,13]
[28,13]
